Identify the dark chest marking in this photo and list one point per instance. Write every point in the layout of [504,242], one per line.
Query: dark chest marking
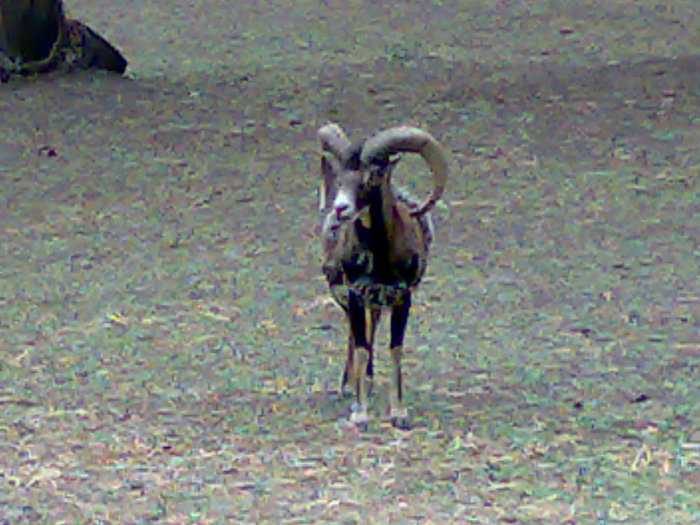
[379,275]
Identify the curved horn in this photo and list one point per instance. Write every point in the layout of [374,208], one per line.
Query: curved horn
[333,139]
[330,168]
[411,140]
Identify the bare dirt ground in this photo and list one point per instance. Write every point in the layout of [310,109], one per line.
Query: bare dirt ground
[166,354]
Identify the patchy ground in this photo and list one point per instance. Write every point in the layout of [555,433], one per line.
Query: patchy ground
[166,354]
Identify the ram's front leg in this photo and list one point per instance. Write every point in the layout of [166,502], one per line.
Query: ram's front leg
[361,357]
[347,371]
[373,315]
[399,320]
[372,318]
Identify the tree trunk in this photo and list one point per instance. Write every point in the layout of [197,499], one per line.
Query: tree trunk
[36,37]
[30,29]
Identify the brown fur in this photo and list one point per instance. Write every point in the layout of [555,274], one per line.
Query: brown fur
[376,244]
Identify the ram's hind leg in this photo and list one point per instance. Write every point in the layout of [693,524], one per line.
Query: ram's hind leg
[347,371]
[399,320]
[361,355]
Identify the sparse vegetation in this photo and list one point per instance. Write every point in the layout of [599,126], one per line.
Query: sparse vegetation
[166,351]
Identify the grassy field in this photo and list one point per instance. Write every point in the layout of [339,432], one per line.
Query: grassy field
[167,352]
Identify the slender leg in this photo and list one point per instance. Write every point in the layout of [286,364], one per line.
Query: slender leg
[347,372]
[361,355]
[399,320]
[372,320]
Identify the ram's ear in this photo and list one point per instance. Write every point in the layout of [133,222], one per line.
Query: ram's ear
[329,181]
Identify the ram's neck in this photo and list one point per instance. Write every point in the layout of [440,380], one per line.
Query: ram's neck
[382,229]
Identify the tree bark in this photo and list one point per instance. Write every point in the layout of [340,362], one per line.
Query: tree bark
[30,29]
[36,37]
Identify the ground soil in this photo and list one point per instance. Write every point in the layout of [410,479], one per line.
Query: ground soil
[167,349]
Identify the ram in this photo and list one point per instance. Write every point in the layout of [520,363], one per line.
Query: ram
[376,241]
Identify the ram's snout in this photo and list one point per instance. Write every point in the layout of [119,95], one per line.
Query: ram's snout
[344,207]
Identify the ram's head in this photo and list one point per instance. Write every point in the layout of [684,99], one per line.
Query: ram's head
[351,171]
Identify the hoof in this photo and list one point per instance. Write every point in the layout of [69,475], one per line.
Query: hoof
[345,389]
[399,419]
[345,393]
[361,427]
[358,417]
[402,423]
